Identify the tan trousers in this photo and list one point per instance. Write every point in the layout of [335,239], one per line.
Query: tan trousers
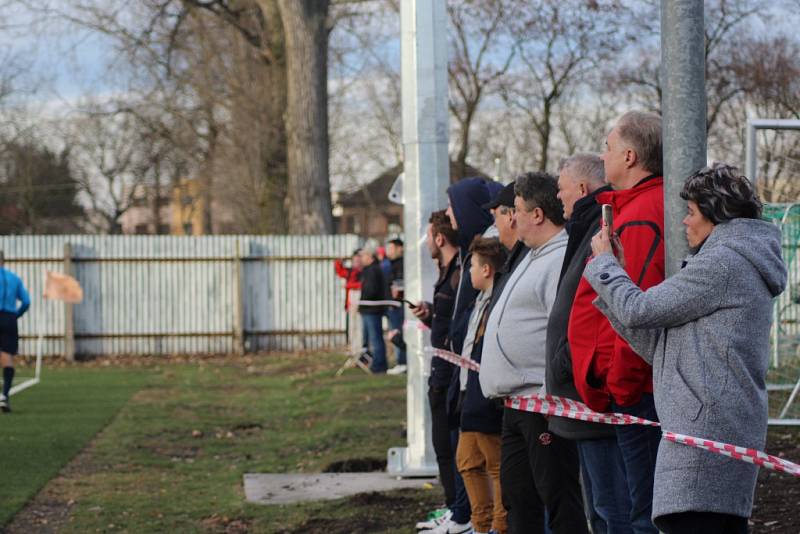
[478,461]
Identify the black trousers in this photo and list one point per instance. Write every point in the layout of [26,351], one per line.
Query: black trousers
[701,523]
[539,470]
[440,432]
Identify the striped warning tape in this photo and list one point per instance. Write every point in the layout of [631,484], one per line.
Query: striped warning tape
[572,409]
[393,303]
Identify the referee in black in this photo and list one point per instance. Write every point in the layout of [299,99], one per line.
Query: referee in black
[12,292]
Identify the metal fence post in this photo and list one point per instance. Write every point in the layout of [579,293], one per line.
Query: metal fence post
[238,301]
[69,319]
[684,113]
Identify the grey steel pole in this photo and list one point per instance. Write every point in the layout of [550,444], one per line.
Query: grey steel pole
[683,107]
[423,26]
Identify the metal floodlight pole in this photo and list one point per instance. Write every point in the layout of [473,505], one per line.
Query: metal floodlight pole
[683,108]
[423,25]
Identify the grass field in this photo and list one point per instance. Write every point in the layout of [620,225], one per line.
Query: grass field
[173,457]
[51,423]
[172,439]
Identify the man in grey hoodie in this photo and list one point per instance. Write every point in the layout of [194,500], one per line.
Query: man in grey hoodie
[538,469]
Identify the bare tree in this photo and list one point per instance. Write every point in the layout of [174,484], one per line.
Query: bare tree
[305,25]
[724,22]
[560,44]
[480,55]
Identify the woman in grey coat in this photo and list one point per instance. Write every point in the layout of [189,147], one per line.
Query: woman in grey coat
[705,331]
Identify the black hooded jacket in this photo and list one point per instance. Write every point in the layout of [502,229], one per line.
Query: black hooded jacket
[582,227]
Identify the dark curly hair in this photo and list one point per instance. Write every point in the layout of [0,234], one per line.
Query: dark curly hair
[722,193]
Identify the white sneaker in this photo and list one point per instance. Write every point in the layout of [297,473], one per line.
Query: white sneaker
[435,518]
[450,527]
[397,370]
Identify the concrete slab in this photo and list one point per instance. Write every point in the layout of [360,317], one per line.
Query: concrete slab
[291,488]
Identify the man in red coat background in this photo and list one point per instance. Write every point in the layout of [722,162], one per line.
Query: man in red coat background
[352,290]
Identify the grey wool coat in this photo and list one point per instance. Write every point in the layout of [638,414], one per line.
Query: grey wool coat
[705,331]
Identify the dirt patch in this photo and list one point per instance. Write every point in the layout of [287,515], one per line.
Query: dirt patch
[217,523]
[372,512]
[778,494]
[356,465]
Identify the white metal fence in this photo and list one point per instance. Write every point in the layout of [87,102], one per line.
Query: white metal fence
[174,295]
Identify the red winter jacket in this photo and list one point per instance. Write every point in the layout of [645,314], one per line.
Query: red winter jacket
[352,279]
[603,364]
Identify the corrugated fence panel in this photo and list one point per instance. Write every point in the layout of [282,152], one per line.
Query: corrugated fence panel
[177,295]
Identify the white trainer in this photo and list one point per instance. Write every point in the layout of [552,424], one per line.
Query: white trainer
[450,527]
[397,370]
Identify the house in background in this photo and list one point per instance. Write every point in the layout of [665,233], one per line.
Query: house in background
[369,213]
[181,212]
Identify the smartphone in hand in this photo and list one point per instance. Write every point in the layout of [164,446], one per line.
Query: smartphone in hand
[608,218]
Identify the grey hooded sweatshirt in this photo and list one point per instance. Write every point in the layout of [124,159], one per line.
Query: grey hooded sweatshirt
[705,331]
[513,356]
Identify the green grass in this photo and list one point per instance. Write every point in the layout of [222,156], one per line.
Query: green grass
[51,422]
[173,457]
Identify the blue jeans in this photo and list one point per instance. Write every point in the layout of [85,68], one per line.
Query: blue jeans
[460,508]
[373,328]
[606,484]
[395,316]
[639,447]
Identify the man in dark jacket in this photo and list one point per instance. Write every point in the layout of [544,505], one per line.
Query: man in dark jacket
[373,289]
[394,251]
[581,178]
[469,219]
[441,240]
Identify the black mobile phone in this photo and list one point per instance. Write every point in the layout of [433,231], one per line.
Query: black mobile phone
[410,304]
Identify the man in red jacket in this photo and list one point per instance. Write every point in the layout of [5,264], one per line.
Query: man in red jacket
[352,291]
[608,374]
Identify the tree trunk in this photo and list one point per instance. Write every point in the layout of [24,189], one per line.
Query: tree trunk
[309,197]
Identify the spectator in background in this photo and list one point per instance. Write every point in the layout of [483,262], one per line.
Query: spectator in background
[706,329]
[373,289]
[580,179]
[356,336]
[14,302]
[609,375]
[394,251]
[538,469]
[478,454]
[383,260]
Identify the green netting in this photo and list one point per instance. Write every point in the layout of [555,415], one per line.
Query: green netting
[784,370]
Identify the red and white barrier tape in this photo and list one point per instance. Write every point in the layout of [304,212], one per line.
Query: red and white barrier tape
[572,409]
[393,303]
[751,456]
[452,357]
[418,324]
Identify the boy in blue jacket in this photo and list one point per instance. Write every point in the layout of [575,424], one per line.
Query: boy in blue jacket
[478,453]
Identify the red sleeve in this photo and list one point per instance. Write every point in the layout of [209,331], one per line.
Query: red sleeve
[341,270]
